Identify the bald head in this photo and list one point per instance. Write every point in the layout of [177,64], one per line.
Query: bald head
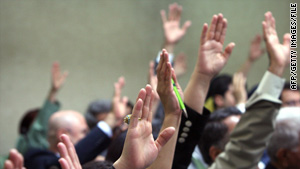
[67,122]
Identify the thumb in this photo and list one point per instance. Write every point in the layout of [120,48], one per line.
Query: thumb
[164,137]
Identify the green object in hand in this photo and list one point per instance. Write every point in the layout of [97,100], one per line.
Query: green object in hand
[181,104]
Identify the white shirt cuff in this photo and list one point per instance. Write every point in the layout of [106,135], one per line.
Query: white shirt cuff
[271,84]
[241,107]
[105,128]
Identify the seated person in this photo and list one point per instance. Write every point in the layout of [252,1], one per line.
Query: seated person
[74,125]
[97,111]
[290,98]
[217,131]
[284,145]
[33,126]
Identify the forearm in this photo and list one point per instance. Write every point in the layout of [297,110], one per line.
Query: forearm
[248,139]
[165,156]
[196,91]
[169,47]
[245,68]
[52,95]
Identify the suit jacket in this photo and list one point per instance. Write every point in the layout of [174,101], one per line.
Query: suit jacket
[190,131]
[87,149]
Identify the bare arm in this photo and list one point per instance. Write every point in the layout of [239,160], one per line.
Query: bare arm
[172,110]
[211,60]
[256,51]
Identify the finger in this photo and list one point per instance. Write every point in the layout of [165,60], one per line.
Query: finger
[265,34]
[64,153]
[171,12]
[8,164]
[219,28]
[272,22]
[149,119]
[141,95]
[178,10]
[228,50]
[203,34]
[186,25]
[121,82]
[163,16]
[212,28]
[159,66]
[286,40]
[117,89]
[71,150]
[13,156]
[224,29]
[136,113]
[147,101]
[164,67]
[64,164]
[20,160]
[164,137]
[168,74]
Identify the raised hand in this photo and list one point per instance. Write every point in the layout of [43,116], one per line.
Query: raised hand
[172,30]
[278,53]
[15,160]
[68,156]
[165,73]
[172,110]
[119,103]
[256,51]
[140,149]
[212,58]
[58,78]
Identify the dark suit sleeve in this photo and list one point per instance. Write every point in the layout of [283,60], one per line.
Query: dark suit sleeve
[92,145]
[190,131]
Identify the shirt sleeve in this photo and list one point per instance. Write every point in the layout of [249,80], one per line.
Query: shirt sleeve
[105,128]
[250,136]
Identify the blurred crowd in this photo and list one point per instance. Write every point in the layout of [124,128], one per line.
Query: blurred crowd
[227,125]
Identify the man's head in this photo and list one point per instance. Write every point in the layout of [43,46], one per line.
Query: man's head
[97,111]
[67,122]
[217,131]
[290,98]
[221,90]
[284,146]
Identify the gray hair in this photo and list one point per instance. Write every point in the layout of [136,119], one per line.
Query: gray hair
[286,136]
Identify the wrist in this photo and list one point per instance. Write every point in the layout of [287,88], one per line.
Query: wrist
[172,120]
[277,70]
[110,120]
[119,164]
[169,47]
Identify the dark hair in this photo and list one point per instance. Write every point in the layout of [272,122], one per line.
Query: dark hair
[96,107]
[27,120]
[115,148]
[219,85]
[97,165]
[287,86]
[215,132]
